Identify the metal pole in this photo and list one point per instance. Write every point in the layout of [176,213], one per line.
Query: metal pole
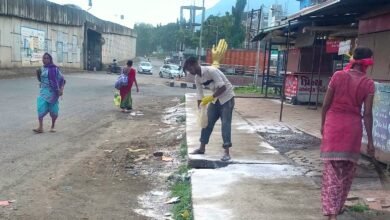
[256,74]
[250,28]
[265,59]
[285,72]
[312,69]
[201,33]
[268,66]
[216,37]
[319,72]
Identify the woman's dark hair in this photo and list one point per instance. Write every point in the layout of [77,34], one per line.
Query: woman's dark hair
[50,57]
[130,63]
[362,53]
[189,62]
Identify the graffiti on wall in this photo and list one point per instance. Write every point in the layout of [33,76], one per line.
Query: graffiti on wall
[381,113]
[33,45]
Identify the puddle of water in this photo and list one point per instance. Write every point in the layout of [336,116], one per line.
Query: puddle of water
[152,204]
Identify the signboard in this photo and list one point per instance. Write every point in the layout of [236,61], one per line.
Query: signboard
[332,46]
[304,87]
[299,86]
[33,45]
[381,112]
[344,47]
[291,86]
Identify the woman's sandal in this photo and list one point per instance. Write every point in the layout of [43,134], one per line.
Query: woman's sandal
[198,151]
[38,131]
[53,130]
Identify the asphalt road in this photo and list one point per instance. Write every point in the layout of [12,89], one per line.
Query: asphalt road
[35,167]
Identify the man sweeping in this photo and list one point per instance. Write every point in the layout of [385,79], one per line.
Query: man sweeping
[221,103]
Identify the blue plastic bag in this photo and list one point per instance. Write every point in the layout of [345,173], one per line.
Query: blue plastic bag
[122,80]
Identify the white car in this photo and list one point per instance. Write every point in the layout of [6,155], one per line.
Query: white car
[145,67]
[170,71]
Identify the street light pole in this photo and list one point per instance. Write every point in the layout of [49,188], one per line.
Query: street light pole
[201,33]
[257,70]
[216,33]
[216,36]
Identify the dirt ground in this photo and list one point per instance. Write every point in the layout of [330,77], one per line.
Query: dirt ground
[117,177]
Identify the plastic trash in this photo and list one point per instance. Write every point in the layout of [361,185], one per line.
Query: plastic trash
[117,99]
[202,116]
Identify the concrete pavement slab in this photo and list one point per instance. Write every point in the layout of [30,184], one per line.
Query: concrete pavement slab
[256,191]
[248,146]
[257,184]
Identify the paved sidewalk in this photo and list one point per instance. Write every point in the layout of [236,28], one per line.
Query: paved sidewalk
[267,111]
[259,183]
[263,115]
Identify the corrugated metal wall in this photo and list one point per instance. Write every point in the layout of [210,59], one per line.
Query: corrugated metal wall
[48,12]
[63,31]
[374,32]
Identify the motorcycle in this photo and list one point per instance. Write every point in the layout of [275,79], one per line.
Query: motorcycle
[114,68]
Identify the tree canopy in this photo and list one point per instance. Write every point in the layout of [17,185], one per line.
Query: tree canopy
[172,36]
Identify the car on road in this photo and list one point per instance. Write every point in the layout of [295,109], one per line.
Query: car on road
[145,67]
[170,71]
[167,60]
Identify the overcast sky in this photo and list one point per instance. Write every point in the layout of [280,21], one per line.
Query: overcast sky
[135,11]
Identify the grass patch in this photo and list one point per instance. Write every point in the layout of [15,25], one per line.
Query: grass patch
[183,209]
[359,208]
[252,90]
[183,169]
[183,149]
[182,99]
[182,188]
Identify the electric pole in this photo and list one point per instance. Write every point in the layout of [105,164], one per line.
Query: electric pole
[201,33]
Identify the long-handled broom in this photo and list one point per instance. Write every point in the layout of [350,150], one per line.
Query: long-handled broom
[385,182]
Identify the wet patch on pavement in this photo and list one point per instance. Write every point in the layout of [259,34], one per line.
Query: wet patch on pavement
[287,139]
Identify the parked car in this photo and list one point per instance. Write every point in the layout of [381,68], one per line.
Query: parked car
[145,67]
[170,71]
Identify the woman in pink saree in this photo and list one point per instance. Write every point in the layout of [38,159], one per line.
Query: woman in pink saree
[349,90]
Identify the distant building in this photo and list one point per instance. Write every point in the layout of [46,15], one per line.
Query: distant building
[275,15]
[74,37]
[268,18]
[308,3]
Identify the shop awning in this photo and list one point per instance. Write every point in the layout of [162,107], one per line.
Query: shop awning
[328,13]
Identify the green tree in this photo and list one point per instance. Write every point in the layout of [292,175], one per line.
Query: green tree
[230,27]
[167,36]
[224,24]
[145,44]
[237,31]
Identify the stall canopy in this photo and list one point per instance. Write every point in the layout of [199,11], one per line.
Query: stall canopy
[329,13]
[333,18]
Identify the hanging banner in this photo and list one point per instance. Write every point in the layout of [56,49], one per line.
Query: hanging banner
[344,47]
[332,46]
